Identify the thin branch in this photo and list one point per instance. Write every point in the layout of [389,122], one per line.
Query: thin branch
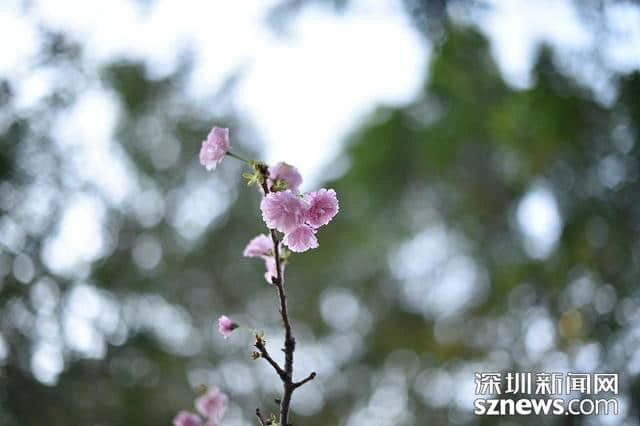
[302,382]
[237,157]
[265,354]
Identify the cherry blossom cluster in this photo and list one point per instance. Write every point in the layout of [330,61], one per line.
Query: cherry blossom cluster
[293,219]
[211,406]
[297,215]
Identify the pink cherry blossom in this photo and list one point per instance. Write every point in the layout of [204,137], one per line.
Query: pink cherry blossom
[287,173]
[226,326]
[185,418]
[283,210]
[259,246]
[270,264]
[323,206]
[213,404]
[301,239]
[214,148]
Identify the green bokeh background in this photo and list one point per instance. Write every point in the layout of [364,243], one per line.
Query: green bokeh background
[455,163]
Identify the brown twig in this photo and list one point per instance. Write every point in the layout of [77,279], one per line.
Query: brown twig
[260,345]
[308,379]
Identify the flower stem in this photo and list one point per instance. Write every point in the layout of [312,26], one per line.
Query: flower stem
[237,157]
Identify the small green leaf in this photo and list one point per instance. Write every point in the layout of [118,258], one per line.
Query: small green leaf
[280,185]
[253,178]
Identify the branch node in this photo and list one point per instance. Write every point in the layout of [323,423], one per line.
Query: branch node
[265,354]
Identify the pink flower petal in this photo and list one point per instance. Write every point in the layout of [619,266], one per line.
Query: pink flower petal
[323,206]
[214,148]
[185,418]
[213,404]
[287,173]
[301,239]
[226,326]
[270,264]
[259,246]
[283,210]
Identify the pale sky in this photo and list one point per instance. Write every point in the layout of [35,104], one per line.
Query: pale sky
[303,91]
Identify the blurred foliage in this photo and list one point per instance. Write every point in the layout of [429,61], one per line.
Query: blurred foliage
[459,159]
